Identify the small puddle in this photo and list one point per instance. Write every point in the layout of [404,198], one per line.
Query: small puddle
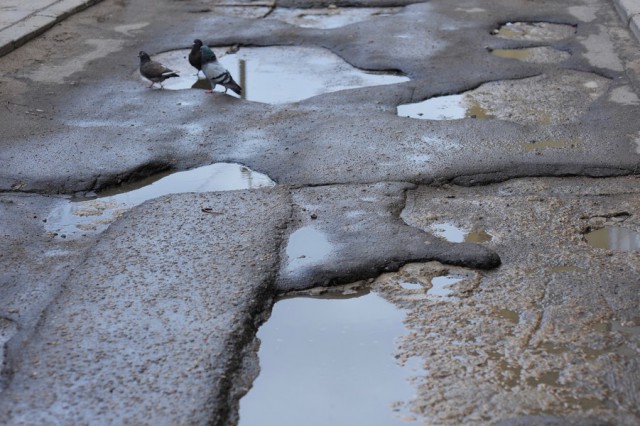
[277,75]
[455,234]
[77,217]
[541,55]
[330,362]
[307,246]
[614,238]
[441,286]
[332,17]
[534,31]
[451,107]
[508,314]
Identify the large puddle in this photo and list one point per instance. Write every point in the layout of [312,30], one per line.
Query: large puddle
[331,362]
[277,75]
[82,216]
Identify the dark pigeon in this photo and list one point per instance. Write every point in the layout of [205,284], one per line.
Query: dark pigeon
[216,73]
[195,57]
[154,71]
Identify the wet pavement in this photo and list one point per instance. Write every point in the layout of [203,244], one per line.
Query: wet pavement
[498,229]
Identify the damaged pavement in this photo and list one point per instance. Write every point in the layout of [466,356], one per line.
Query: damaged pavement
[153,320]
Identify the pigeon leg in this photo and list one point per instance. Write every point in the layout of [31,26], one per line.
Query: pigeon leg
[151,85]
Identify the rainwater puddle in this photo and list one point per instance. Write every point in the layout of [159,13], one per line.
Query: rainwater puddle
[77,217]
[307,246]
[614,238]
[331,362]
[332,17]
[451,107]
[535,31]
[277,75]
[411,285]
[455,234]
[541,55]
[441,286]
[508,314]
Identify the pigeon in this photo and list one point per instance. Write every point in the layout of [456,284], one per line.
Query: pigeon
[154,71]
[216,73]
[195,57]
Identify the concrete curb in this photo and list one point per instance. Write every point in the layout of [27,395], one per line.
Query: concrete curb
[629,11]
[37,18]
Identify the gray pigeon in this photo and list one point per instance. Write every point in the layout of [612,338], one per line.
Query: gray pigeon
[216,73]
[154,71]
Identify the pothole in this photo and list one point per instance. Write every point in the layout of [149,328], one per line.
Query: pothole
[277,74]
[331,17]
[539,55]
[77,217]
[614,238]
[330,361]
[456,234]
[535,31]
[555,98]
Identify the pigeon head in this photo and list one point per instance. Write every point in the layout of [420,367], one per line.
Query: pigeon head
[207,54]
[197,43]
[144,57]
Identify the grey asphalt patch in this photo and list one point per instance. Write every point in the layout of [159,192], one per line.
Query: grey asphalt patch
[365,235]
[162,306]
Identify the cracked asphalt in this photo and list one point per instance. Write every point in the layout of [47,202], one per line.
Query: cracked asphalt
[153,321]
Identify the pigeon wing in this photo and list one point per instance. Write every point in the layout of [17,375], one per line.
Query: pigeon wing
[155,69]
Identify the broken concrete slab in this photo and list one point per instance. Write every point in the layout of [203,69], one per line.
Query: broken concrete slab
[163,305]
[363,235]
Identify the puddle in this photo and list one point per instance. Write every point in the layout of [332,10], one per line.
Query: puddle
[277,75]
[330,362]
[77,217]
[540,55]
[508,314]
[556,98]
[455,234]
[307,246]
[332,17]
[614,238]
[452,107]
[410,285]
[549,378]
[534,31]
[440,286]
